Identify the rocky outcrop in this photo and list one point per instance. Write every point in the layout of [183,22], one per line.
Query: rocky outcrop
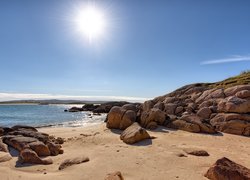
[31,144]
[225,169]
[73,161]
[114,176]
[134,133]
[201,109]
[102,108]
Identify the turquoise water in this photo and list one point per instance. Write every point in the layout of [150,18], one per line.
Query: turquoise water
[44,115]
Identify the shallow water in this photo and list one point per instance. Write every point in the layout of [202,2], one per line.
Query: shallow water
[45,115]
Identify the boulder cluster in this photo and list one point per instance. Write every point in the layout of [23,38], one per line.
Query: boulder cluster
[194,108]
[31,144]
[97,108]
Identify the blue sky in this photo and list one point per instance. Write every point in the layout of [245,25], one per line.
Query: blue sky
[149,48]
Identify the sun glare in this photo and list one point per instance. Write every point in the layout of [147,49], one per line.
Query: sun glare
[91,22]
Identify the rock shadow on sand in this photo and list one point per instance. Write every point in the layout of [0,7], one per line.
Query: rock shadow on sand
[145,142]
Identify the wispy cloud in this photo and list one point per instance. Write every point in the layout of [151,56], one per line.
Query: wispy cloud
[235,58]
[27,96]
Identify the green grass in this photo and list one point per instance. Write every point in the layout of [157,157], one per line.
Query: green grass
[242,79]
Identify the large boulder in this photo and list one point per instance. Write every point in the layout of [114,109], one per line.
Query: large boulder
[120,118]
[134,133]
[234,104]
[150,119]
[40,148]
[204,112]
[31,157]
[232,123]
[225,169]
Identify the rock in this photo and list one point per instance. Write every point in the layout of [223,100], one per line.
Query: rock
[179,110]
[225,169]
[210,94]
[18,142]
[147,105]
[205,104]
[106,107]
[196,152]
[75,109]
[243,94]
[54,149]
[128,118]
[204,112]
[22,127]
[185,126]
[204,126]
[232,123]
[191,107]
[234,104]
[233,90]
[134,133]
[130,107]
[170,108]
[30,133]
[150,119]
[119,118]
[89,107]
[4,156]
[59,140]
[31,157]
[159,105]
[3,147]
[1,131]
[40,148]
[114,176]
[69,162]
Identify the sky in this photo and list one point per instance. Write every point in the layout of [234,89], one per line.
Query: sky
[147,48]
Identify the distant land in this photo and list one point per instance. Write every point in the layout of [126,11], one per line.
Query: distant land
[51,101]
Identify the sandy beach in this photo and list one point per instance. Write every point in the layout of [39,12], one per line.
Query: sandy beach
[147,160]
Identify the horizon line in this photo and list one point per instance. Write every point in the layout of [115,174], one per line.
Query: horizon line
[38,96]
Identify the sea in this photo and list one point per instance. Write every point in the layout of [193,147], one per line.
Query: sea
[46,116]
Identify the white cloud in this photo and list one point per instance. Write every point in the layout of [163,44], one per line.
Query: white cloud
[27,96]
[235,58]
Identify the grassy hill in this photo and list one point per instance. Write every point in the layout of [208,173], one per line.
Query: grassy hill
[243,78]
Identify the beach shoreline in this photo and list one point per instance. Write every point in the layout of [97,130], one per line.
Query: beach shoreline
[147,160]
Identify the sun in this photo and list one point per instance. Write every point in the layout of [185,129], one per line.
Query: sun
[91,22]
